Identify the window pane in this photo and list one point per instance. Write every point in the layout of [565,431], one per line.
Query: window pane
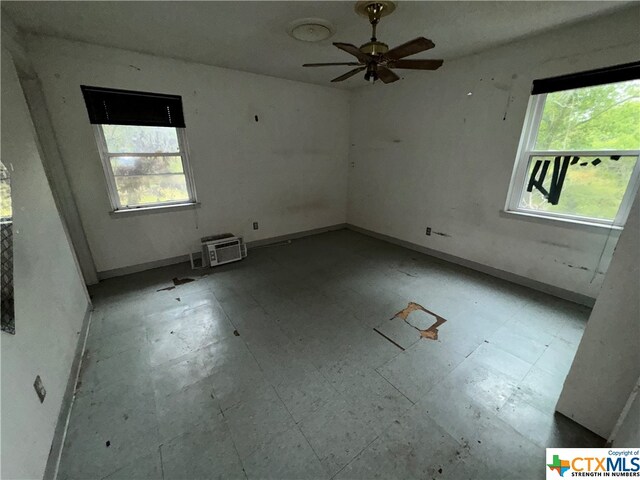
[6,210]
[151,189]
[145,165]
[136,139]
[604,117]
[591,188]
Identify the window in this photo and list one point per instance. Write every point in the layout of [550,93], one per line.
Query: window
[8,323]
[578,154]
[6,208]
[141,139]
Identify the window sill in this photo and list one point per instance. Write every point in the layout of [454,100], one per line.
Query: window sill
[154,209]
[582,224]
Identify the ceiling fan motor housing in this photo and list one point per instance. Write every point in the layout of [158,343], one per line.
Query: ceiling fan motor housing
[374,48]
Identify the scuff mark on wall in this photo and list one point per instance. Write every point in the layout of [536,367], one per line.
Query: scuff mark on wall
[408,274]
[554,244]
[83,366]
[442,234]
[579,267]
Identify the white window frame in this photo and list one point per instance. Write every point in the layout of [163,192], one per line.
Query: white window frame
[526,151]
[112,190]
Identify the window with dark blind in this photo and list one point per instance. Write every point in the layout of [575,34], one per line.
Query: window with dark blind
[142,143]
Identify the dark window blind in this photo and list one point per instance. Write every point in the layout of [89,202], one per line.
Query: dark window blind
[126,107]
[601,76]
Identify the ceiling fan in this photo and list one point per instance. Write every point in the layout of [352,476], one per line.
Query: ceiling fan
[375,57]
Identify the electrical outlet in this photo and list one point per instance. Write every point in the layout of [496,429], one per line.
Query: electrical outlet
[40,391]
[255,225]
[428,230]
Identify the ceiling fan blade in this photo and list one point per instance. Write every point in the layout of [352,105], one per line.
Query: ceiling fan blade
[386,75]
[350,73]
[353,50]
[416,64]
[329,64]
[416,45]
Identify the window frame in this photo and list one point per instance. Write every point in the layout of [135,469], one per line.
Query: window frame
[528,137]
[112,190]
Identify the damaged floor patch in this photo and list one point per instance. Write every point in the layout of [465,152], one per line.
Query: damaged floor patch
[430,332]
[177,281]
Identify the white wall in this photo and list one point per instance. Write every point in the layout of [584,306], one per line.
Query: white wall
[50,297]
[287,171]
[607,364]
[628,429]
[427,154]
[12,40]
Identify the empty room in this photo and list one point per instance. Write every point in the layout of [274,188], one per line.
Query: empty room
[320,240]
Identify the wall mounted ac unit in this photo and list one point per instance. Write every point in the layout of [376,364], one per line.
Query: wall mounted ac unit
[221,251]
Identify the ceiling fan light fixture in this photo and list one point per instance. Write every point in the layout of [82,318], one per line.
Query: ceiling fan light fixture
[311,29]
[375,57]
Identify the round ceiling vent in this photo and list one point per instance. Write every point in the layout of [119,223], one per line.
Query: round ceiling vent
[311,29]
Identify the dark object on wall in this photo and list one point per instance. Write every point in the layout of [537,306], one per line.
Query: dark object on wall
[600,76]
[40,390]
[126,107]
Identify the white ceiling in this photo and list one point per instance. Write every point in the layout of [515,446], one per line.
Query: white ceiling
[252,36]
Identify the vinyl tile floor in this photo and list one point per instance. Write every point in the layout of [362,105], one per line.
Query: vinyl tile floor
[291,364]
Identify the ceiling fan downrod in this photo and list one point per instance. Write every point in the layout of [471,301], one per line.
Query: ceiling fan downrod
[374,10]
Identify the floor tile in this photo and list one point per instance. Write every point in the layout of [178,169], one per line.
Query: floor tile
[192,408]
[547,430]
[487,387]
[521,346]
[501,361]
[148,467]
[413,447]
[202,454]
[256,420]
[337,433]
[286,456]
[417,370]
